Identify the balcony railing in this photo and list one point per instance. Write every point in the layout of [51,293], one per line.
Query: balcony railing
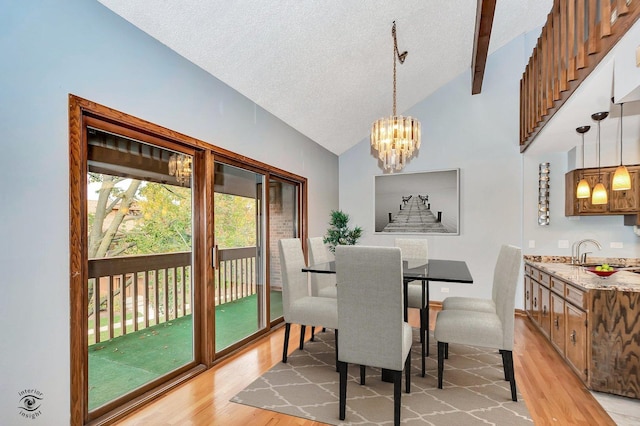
[576,37]
[130,293]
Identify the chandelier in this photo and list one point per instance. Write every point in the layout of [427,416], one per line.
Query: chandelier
[180,167]
[396,138]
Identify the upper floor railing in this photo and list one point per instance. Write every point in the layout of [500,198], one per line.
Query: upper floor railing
[576,37]
[130,293]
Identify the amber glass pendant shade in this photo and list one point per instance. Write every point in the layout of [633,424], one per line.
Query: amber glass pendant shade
[599,195]
[583,190]
[621,180]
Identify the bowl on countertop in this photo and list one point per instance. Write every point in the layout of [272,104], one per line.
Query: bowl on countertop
[603,274]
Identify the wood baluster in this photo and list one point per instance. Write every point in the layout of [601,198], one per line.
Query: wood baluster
[563,40]
[593,45]
[605,18]
[556,63]
[622,7]
[571,41]
[580,35]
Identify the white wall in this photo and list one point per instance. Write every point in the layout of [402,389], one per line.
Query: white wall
[50,49]
[477,134]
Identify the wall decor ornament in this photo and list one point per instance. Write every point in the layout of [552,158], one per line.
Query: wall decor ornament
[543,194]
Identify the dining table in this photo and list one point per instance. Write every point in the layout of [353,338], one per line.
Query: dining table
[425,271]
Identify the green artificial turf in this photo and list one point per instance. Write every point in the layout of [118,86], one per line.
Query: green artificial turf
[124,363]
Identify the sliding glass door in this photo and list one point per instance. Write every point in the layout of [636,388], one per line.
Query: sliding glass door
[240,286]
[140,255]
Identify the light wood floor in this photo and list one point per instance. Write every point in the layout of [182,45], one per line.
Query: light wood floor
[553,394]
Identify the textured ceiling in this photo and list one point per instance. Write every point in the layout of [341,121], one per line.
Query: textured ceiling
[326,67]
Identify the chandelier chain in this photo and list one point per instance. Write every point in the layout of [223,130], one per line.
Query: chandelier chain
[400,57]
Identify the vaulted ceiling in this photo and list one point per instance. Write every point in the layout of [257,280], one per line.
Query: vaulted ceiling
[326,67]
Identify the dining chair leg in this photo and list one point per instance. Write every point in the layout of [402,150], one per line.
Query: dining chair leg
[508,356]
[446,351]
[504,365]
[397,384]
[363,371]
[407,374]
[313,332]
[342,368]
[303,329]
[441,350]
[336,336]
[287,330]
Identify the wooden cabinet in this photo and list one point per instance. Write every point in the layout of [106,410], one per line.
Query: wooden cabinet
[560,310]
[620,202]
[595,330]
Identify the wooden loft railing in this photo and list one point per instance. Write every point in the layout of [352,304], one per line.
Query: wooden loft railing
[576,37]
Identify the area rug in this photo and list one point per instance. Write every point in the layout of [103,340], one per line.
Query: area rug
[474,393]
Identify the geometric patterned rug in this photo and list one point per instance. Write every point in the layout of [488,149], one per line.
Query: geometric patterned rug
[474,390]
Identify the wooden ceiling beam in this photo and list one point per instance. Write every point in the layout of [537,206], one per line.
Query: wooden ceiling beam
[484,21]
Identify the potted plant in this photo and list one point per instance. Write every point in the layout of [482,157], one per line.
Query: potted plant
[339,232]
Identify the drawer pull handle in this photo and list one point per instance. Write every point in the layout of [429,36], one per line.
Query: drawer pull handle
[544,310]
[573,337]
[528,295]
[535,302]
[556,322]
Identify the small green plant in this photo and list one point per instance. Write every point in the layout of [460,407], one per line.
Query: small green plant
[339,232]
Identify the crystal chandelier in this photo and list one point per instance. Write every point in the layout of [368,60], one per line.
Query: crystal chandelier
[396,138]
[180,167]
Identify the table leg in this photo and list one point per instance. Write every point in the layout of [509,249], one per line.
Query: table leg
[426,313]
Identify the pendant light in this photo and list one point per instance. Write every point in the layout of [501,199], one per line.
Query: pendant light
[621,180]
[599,193]
[583,190]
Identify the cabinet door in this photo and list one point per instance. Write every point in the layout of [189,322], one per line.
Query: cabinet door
[593,177]
[527,296]
[626,201]
[535,302]
[576,340]
[558,323]
[545,312]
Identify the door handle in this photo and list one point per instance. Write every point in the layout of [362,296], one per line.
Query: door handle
[214,256]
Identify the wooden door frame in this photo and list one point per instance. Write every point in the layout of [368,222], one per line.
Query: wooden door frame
[80,110]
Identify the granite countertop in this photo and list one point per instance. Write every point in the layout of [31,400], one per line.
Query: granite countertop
[578,275]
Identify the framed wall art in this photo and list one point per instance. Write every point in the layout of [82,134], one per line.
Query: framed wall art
[418,203]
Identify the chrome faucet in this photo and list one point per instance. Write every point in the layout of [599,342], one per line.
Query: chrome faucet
[576,257]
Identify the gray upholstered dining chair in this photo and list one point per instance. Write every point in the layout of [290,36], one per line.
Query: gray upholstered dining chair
[417,250]
[323,285]
[501,279]
[371,316]
[485,329]
[298,306]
